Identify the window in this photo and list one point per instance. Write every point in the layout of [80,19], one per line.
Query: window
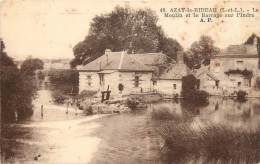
[174,86]
[154,82]
[239,84]
[101,79]
[217,83]
[120,87]
[136,81]
[239,63]
[88,77]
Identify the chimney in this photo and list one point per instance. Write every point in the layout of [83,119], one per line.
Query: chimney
[179,59]
[107,51]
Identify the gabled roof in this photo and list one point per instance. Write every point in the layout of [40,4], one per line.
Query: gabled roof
[204,71]
[175,72]
[120,61]
[152,59]
[239,51]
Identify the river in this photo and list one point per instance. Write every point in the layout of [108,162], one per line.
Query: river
[61,137]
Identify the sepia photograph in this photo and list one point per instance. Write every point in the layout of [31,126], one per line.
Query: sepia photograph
[129,82]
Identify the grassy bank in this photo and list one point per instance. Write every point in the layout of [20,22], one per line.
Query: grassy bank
[207,143]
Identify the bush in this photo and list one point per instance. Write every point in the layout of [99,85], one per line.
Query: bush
[165,113]
[29,66]
[132,102]
[198,97]
[66,81]
[215,143]
[41,75]
[241,96]
[87,108]
[59,97]
[190,90]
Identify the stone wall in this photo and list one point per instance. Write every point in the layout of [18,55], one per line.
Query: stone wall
[113,79]
[229,83]
[88,81]
[169,87]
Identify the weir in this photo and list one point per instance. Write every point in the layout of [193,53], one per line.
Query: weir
[213,15]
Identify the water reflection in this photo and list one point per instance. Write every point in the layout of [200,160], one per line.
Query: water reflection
[225,131]
[245,115]
[129,137]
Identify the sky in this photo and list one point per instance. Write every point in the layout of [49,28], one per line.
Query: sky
[51,28]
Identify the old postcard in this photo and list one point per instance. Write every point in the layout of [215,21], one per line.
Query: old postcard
[130,81]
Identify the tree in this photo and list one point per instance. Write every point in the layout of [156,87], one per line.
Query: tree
[135,31]
[170,47]
[191,93]
[64,83]
[30,65]
[17,90]
[200,52]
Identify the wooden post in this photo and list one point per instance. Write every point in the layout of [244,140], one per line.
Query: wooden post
[41,111]
[67,111]
[102,96]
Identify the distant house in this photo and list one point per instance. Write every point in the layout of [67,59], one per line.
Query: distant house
[170,81]
[60,64]
[235,68]
[117,71]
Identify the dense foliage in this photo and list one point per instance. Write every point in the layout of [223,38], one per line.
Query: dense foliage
[251,39]
[241,96]
[215,143]
[190,91]
[246,73]
[64,77]
[135,31]
[29,66]
[200,52]
[17,90]
[64,83]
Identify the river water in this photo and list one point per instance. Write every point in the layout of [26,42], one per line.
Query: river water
[121,138]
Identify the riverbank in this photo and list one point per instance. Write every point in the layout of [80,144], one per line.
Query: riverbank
[66,141]
[131,137]
[92,105]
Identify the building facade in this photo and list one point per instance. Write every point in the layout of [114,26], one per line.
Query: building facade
[118,72]
[235,68]
[170,81]
[124,73]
